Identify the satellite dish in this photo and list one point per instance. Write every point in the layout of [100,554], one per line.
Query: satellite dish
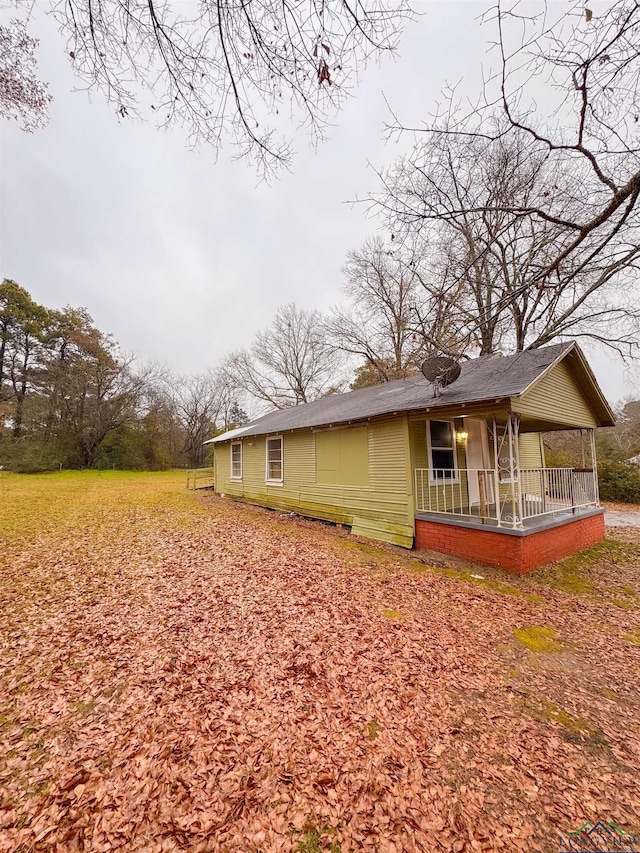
[440,370]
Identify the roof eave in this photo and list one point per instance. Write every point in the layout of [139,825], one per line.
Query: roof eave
[228,435]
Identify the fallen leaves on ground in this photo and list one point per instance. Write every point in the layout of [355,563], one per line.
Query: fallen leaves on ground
[179,672]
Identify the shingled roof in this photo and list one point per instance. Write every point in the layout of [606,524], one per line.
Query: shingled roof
[481,379]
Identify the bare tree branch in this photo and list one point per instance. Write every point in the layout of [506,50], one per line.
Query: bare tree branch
[235,71]
[586,129]
[23,97]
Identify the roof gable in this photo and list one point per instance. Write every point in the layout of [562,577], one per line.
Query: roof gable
[567,393]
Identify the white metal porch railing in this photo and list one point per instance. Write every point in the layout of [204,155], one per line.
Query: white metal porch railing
[487,494]
[443,490]
[545,491]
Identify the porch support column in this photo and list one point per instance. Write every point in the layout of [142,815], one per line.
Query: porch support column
[513,429]
[594,465]
[496,478]
[516,433]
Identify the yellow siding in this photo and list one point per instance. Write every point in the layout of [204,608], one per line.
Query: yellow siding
[452,495]
[557,398]
[383,506]
[419,438]
[531,455]
[342,457]
[530,450]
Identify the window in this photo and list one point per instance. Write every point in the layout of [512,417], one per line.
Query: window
[236,460]
[274,460]
[442,451]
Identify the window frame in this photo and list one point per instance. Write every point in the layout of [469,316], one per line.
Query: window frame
[439,481]
[236,478]
[270,481]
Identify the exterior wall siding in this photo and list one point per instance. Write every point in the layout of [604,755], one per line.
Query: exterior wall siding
[530,450]
[556,397]
[381,510]
[453,495]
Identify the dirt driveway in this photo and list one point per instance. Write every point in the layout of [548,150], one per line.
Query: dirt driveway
[622,515]
[178,672]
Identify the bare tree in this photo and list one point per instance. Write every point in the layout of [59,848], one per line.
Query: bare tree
[626,433]
[231,413]
[390,323]
[221,69]
[484,262]
[289,363]
[197,402]
[23,97]
[580,206]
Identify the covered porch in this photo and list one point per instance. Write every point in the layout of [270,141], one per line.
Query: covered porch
[483,491]
[481,472]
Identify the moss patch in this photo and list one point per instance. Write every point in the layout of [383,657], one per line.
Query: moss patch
[392,614]
[539,638]
[566,579]
[317,839]
[572,574]
[508,589]
[633,637]
[6,723]
[84,708]
[544,710]
[626,597]
[367,552]
[608,693]
[625,603]
[492,584]
[373,729]
[420,568]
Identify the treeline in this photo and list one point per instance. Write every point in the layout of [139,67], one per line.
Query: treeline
[70,397]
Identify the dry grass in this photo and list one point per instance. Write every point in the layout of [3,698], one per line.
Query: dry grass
[178,672]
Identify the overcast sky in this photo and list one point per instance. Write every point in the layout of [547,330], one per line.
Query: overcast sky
[183,258]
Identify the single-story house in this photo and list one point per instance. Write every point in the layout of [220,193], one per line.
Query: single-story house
[458,469]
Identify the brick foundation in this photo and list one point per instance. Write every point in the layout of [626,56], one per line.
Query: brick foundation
[518,552]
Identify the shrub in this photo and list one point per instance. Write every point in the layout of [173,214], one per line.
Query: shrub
[25,457]
[619,481]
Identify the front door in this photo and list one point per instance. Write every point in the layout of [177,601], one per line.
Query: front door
[478,460]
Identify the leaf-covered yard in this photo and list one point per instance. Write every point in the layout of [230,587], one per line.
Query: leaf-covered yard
[179,672]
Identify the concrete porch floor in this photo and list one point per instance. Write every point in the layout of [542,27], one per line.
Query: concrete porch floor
[560,516]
